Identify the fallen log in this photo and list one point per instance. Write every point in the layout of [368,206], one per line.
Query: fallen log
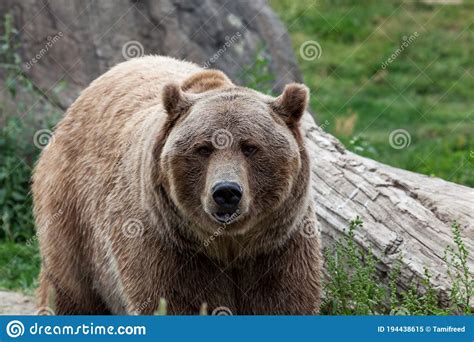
[404,213]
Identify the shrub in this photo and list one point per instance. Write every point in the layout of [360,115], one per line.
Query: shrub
[353,285]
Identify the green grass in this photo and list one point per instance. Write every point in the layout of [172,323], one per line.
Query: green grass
[19,266]
[426,91]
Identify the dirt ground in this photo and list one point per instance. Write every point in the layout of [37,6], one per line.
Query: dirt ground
[13,303]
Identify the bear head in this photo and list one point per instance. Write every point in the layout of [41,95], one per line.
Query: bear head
[231,156]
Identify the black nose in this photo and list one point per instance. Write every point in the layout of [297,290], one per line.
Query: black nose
[227,195]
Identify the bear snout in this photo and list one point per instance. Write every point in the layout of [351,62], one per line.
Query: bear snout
[227,196]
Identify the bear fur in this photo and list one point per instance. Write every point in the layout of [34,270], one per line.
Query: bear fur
[130,170]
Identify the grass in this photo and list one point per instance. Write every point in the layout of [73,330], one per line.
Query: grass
[353,285]
[426,90]
[19,266]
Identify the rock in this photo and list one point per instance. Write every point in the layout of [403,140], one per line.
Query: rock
[73,42]
[12,303]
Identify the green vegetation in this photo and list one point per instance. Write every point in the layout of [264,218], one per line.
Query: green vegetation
[16,220]
[18,153]
[19,266]
[426,90]
[257,75]
[354,288]
[19,257]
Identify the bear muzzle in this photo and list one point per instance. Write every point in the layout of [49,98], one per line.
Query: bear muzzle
[227,196]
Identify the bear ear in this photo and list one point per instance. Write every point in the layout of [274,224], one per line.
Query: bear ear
[292,103]
[175,101]
[206,80]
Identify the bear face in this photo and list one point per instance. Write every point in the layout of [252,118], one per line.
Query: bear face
[231,155]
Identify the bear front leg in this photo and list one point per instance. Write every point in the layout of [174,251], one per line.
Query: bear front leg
[66,299]
[284,282]
[186,281]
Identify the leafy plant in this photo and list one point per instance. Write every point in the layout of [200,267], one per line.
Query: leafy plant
[360,144]
[462,290]
[16,219]
[258,75]
[10,60]
[18,151]
[19,266]
[354,287]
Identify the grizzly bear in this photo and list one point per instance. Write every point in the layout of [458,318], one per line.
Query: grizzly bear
[172,182]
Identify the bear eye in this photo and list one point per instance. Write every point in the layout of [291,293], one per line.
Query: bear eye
[204,151]
[249,150]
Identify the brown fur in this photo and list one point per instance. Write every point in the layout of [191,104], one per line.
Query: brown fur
[124,159]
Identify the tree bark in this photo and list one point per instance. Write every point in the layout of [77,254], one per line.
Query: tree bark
[404,213]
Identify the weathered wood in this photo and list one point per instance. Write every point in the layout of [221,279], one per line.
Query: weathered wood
[403,212]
